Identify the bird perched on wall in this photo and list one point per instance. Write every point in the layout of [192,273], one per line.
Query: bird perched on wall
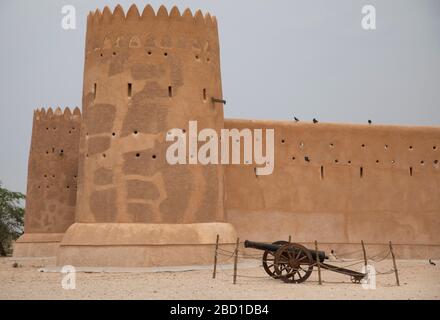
[307,158]
[315,121]
[296,119]
[370,122]
[431,263]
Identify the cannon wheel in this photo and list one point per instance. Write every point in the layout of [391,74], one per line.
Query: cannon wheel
[269,260]
[293,263]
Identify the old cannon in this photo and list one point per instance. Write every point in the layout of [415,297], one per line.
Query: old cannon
[293,263]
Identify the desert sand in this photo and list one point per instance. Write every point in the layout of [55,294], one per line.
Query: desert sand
[419,280]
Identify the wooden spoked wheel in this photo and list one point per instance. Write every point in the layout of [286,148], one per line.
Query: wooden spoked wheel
[293,263]
[269,260]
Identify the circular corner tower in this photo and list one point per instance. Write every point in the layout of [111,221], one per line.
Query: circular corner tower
[52,182]
[146,74]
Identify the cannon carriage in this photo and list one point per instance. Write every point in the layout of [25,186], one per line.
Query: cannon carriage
[293,263]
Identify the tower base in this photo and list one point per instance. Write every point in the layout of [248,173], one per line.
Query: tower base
[143,245]
[37,245]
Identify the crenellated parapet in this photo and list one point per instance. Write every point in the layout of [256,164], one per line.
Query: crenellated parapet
[106,16]
[42,114]
[111,34]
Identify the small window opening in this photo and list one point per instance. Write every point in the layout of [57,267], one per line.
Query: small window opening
[129,90]
[411,171]
[322,172]
[154,156]
[170,91]
[138,155]
[361,172]
[204,94]
[94,91]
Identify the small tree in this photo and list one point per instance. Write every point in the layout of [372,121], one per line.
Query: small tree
[11,218]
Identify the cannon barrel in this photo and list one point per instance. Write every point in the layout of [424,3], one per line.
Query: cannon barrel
[274,247]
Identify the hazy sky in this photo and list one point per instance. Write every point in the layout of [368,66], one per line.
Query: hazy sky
[279,59]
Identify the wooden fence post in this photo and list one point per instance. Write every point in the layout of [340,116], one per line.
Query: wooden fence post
[215,257]
[236,260]
[318,262]
[365,255]
[394,263]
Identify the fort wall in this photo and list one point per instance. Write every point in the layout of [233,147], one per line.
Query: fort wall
[340,184]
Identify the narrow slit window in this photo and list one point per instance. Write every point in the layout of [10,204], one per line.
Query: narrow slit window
[170,91]
[361,172]
[411,171]
[94,91]
[322,172]
[129,90]
[204,94]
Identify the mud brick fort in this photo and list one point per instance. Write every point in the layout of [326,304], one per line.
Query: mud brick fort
[101,193]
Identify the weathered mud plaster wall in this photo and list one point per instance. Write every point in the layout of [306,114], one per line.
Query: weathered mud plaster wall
[52,181]
[362,182]
[144,75]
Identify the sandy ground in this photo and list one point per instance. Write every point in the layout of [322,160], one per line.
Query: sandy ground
[419,280]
